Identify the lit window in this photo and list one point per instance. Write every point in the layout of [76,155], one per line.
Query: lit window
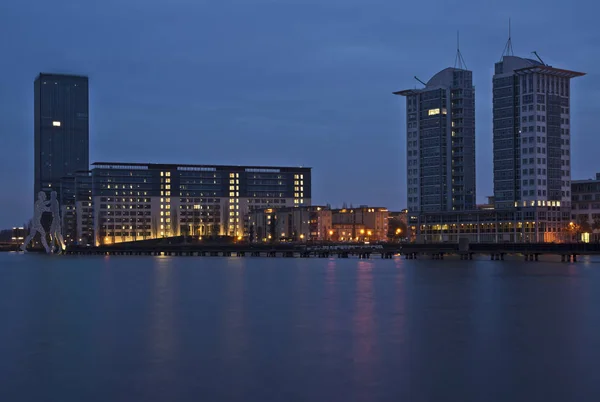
[56,123]
[433,112]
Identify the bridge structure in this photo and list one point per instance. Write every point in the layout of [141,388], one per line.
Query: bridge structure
[497,251]
[180,246]
[288,250]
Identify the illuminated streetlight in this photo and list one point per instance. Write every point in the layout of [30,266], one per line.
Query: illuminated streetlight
[369,233]
[362,231]
[398,231]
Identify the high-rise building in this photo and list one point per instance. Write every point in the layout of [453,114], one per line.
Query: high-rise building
[440,127]
[532,132]
[61,129]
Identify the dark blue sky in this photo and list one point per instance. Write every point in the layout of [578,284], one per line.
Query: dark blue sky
[303,82]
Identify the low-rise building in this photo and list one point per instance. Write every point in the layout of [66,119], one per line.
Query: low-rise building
[543,223]
[585,208]
[360,224]
[305,223]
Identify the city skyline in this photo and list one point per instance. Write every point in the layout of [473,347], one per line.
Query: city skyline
[294,108]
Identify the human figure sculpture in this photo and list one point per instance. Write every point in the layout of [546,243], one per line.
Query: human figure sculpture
[40,206]
[56,226]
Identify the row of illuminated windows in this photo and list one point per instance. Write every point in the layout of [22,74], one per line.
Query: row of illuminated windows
[125,213]
[109,235]
[123,206]
[199,200]
[138,200]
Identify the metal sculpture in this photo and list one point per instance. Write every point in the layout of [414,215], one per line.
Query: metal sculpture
[56,226]
[40,206]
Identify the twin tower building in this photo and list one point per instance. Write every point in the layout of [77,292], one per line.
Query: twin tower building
[531,151]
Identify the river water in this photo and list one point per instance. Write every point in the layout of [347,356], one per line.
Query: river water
[270,329]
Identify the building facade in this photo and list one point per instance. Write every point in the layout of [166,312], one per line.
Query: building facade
[77,211]
[133,201]
[304,224]
[61,129]
[440,143]
[585,208]
[360,224]
[515,225]
[532,132]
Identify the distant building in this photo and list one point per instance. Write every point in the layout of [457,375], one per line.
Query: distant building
[490,204]
[18,235]
[360,224]
[61,129]
[305,223]
[440,127]
[137,201]
[77,208]
[585,208]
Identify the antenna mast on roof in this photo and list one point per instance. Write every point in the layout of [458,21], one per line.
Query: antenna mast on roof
[508,49]
[420,80]
[459,61]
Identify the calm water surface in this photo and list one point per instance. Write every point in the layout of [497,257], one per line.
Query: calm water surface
[258,329]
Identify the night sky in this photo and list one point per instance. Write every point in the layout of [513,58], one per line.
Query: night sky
[276,82]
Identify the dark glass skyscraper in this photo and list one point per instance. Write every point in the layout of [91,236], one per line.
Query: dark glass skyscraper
[61,129]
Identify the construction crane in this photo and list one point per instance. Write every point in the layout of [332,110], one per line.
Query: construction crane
[538,56]
[420,80]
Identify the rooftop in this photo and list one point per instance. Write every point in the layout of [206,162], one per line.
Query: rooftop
[172,166]
[549,70]
[59,75]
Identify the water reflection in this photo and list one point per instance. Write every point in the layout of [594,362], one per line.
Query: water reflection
[234,331]
[365,341]
[163,326]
